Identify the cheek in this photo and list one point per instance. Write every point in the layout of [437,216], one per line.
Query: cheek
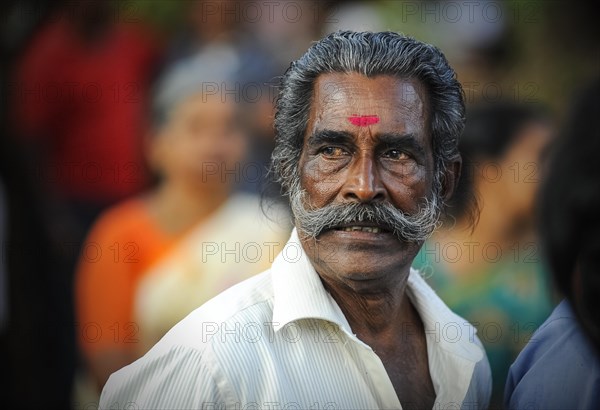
[321,180]
[179,151]
[406,192]
[234,149]
[243,145]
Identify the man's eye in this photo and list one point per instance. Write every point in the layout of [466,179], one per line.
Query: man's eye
[333,152]
[396,154]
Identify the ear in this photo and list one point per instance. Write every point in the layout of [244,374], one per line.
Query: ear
[451,178]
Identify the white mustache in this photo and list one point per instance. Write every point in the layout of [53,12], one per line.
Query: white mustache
[410,228]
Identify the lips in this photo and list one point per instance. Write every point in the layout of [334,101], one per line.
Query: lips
[360,227]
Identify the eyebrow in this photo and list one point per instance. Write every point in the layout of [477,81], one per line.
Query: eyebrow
[398,140]
[330,136]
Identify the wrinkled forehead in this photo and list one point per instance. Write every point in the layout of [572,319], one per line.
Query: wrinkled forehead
[384,103]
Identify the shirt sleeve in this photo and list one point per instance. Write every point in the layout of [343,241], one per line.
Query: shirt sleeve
[178,378]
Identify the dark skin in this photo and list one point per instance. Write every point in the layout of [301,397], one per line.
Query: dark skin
[391,160]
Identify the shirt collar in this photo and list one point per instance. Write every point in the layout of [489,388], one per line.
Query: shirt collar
[298,291]
[449,331]
[299,294]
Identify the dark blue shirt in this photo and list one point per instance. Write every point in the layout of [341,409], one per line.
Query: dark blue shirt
[558,369]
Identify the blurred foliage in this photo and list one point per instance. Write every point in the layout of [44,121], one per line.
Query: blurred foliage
[164,15]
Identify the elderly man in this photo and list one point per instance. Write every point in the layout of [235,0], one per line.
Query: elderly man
[367,127]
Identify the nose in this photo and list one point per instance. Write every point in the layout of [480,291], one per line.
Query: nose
[363,183]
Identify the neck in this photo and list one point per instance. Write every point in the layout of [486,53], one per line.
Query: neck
[178,207]
[370,313]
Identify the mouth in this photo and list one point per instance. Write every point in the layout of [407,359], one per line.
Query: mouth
[362,227]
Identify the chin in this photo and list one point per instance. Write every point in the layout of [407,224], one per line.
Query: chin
[359,265]
[375,280]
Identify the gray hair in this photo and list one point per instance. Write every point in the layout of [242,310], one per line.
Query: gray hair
[370,54]
[210,71]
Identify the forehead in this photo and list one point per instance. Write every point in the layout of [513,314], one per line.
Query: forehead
[399,105]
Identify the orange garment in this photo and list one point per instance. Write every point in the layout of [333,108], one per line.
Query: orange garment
[120,248]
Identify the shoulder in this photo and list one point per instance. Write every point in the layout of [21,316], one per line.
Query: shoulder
[184,369]
[558,366]
[246,302]
[480,388]
[450,331]
[457,352]
[126,217]
[178,377]
[560,332]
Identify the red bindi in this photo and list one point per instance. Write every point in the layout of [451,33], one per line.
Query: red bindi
[363,120]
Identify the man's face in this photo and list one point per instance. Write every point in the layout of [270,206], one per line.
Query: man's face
[367,142]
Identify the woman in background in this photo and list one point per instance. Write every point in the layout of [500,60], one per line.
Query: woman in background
[151,260]
[489,271]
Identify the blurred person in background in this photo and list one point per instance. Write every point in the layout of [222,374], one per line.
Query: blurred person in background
[156,257]
[221,29]
[560,366]
[75,76]
[489,270]
[261,37]
[77,100]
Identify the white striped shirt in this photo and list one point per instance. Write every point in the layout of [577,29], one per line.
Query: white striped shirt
[280,341]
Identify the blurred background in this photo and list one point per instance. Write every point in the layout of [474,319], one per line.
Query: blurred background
[136,133]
